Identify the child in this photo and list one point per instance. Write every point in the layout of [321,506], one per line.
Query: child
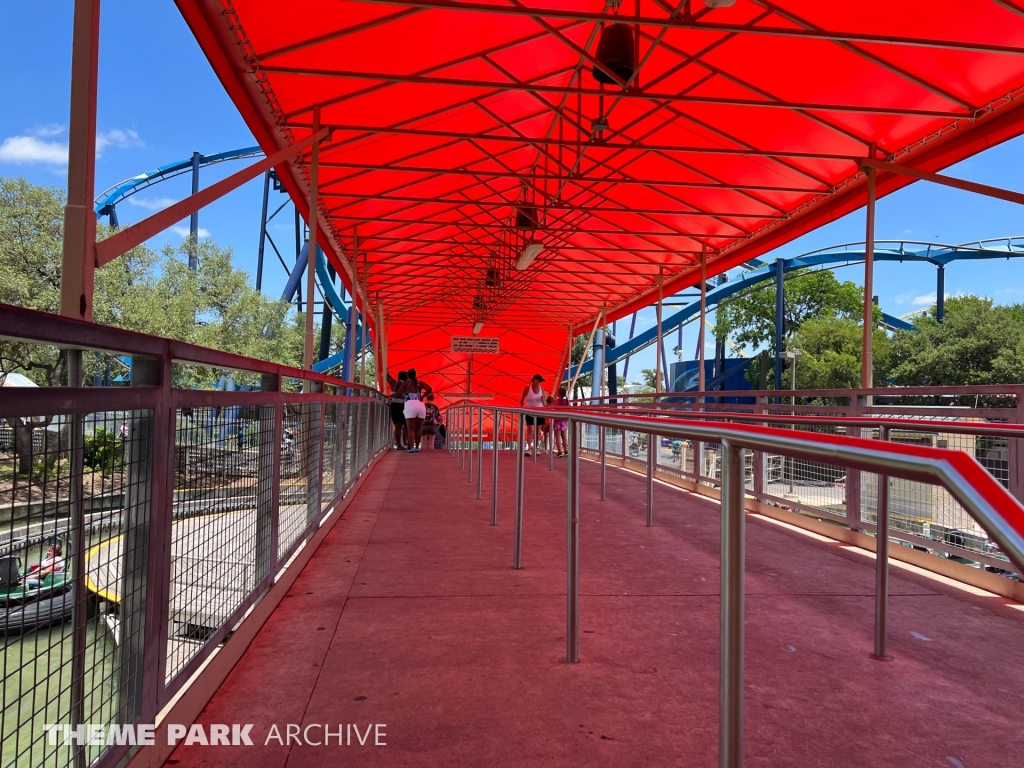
[430,423]
[561,425]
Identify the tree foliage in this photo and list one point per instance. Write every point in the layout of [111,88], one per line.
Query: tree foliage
[832,348]
[976,343]
[749,318]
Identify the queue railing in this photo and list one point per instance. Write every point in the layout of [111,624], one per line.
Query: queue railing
[985,499]
[176,509]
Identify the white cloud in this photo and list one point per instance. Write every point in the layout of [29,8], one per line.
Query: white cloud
[28,150]
[928,298]
[184,232]
[52,129]
[33,148]
[152,203]
[118,139]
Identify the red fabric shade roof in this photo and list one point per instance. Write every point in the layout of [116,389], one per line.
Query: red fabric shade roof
[741,131]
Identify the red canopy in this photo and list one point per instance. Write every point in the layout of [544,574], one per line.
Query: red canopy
[740,131]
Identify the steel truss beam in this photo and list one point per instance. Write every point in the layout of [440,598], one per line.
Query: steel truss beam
[497,86]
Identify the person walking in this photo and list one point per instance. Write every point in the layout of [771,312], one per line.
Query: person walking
[561,426]
[398,411]
[533,398]
[413,391]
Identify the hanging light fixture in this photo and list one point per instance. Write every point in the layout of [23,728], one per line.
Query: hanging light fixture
[529,253]
[719,3]
[615,51]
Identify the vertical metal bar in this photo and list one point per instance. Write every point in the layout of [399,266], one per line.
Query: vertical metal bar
[78,256]
[494,470]
[658,352]
[517,541]
[940,293]
[730,708]
[780,319]
[572,592]
[193,222]
[263,232]
[603,452]
[480,452]
[80,609]
[866,369]
[882,565]
[651,455]
[314,214]
[551,445]
[469,447]
[703,318]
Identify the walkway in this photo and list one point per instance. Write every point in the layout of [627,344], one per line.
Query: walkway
[410,615]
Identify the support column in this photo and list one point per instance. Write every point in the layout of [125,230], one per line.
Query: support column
[881,652]
[866,365]
[703,316]
[780,319]
[658,350]
[193,220]
[78,259]
[314,195]
[325,323]
[263,231]
[940,293]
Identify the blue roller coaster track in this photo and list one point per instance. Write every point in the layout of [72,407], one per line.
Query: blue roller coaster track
[106,205]
[833,257]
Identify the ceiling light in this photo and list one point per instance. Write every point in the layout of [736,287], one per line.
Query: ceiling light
[478,327]
[719,3]
[615,53]
[528,255]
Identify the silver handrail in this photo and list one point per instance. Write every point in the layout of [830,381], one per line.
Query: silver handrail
[991,505]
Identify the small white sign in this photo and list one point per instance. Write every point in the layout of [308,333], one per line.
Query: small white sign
[481,345]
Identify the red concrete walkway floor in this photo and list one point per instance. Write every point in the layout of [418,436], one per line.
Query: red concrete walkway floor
[410,615]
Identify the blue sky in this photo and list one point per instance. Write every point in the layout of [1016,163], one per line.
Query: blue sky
[159,101]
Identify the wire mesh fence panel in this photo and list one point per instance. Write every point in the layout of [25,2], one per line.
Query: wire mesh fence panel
[300,469]
[71,489]
[332,483]
[215,522]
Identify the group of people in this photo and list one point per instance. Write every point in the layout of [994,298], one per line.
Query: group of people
[416,419]
[538,430]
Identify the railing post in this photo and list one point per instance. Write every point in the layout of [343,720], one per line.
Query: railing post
[651,438]
[469,445]
[494,470]
[551,445]
[76,553]
[268,472]
[882,564]
[517,535]
[759,458]
[730,708]
[479,452]
[572,592]
[603,451]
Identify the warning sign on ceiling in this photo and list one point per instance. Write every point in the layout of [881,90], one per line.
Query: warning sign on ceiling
[480,345]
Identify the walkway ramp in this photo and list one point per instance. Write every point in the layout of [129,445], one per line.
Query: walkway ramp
[410,614]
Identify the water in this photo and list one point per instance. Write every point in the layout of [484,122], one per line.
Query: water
[36,677]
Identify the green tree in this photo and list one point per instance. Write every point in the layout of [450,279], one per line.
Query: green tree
[749,318]
[832,348]
[214,306]
[977,343]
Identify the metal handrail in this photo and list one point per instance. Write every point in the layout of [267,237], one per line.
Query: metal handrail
[915,425]
[991,505]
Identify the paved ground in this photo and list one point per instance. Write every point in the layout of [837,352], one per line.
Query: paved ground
[410,615]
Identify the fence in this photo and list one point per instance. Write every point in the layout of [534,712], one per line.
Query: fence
[978,493]
[988,427]
[158,516]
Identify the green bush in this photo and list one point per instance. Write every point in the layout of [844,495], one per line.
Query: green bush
[104,451]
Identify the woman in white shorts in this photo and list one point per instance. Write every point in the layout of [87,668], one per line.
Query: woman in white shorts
[413,391]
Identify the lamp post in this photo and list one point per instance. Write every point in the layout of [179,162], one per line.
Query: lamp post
[794,355]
